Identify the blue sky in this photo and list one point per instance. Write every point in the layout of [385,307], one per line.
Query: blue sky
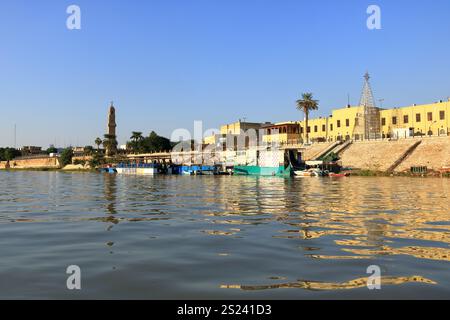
[166,63]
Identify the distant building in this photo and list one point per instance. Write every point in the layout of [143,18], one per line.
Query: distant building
[231,133]
[285,133]
[111,145]
[78,151]
[31,150]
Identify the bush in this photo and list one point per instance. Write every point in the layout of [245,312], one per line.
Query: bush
[66,157]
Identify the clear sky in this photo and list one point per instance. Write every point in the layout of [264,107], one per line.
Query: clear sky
[166,63]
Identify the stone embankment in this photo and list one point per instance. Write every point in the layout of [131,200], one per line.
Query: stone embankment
[35,163]
[432,152]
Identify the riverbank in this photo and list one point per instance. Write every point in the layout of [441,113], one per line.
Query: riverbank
[374,173]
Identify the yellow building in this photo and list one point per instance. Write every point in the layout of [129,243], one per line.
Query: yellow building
[342,124]
[237,127]
[348,123]
[417,120]
[233,131]
[284,133]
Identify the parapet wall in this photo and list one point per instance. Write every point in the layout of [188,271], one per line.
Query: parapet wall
[32,163]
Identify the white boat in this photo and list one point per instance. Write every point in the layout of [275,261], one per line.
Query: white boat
[314,172]
[140,169]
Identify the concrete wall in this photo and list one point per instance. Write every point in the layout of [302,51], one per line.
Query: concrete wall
[375,155]
[433,153]
[32,163]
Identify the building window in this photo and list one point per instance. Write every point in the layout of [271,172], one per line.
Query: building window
[430,116]
[405,119]
[301,130]
[324,128]
[347,122]
[418,118]
[308,129]
[442,115]
[339,123]
[394,120]
[316,129]
[331,127]
[383,121]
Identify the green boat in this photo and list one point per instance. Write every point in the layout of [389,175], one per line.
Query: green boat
[263,171]
[271,163]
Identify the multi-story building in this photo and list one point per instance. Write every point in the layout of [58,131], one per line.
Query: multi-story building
[231,133]
[284,133]
[349,123]
[31,150]
[417,120]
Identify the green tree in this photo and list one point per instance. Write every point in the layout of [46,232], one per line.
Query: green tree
[98,142]
[307,104]
[97,160]
[7,154]
[136,141]
[66,156]
[88,150]
[110,144]
[51,150]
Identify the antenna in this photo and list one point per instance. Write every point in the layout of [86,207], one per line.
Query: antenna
[15,136]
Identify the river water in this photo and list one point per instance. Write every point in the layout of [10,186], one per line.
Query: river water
[178,237]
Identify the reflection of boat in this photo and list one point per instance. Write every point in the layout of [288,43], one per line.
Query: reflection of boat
[198,170]
[108,170]
[313,172]
[140,168]
[303,173]
[338,175]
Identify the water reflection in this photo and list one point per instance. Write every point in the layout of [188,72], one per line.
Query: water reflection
[110,192]
[314,285]
[241,230]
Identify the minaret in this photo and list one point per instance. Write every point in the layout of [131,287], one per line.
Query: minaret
[111,145]
[112,120]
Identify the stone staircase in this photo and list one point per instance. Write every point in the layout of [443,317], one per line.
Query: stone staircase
[403,157]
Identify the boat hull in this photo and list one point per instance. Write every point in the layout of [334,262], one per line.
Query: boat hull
[139,171]
[262,171]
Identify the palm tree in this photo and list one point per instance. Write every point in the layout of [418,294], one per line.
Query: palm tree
[307,104]
[98,142]
[110,144]
[136,138]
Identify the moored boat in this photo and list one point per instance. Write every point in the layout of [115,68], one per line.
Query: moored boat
[139,168]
